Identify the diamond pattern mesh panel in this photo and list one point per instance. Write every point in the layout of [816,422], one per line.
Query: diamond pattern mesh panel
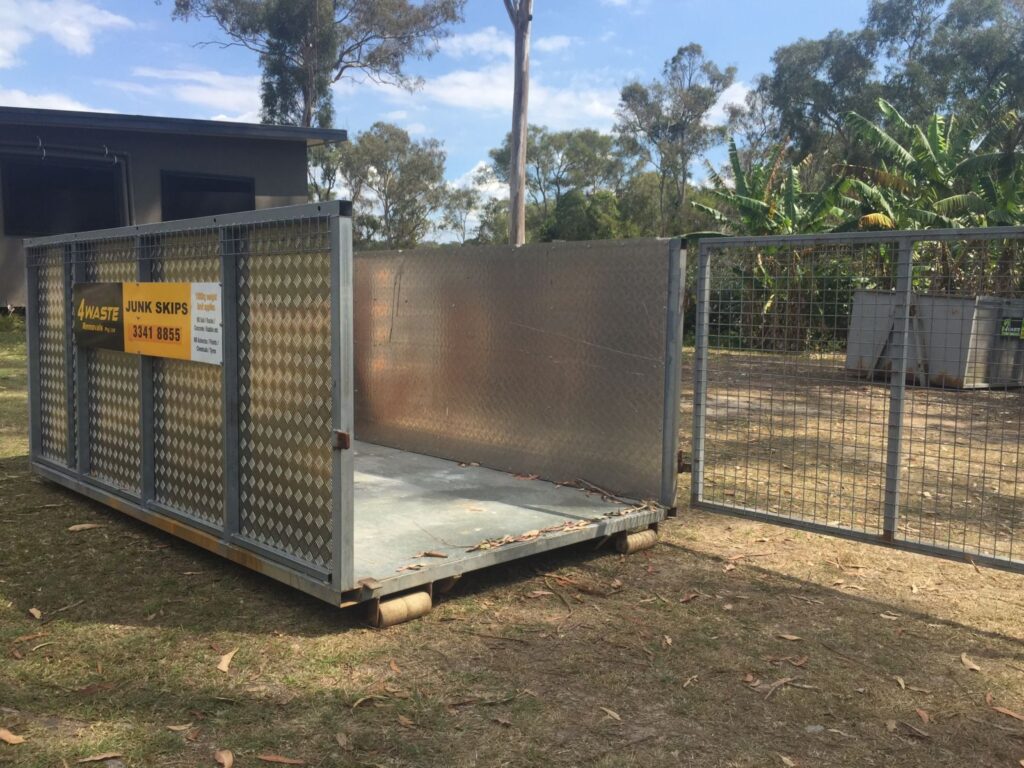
[284,341]
[114,408]
[187,406]
[53,420]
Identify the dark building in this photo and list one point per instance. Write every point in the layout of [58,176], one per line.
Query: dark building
[74,171]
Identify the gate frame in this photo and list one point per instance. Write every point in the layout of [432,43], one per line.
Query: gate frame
[904,241]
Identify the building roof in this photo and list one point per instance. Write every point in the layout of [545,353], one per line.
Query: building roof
[56,118]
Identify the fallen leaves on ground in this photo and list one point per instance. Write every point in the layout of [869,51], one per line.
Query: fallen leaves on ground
[611,713]
[790,638]
[925,717]
[431,553]
[179,728]
[225,660]
[35,613]
[406,722]
[84,527]
[98,758]
[10,738]
[968,663]
[280,759]
[1009,713]
[224,758]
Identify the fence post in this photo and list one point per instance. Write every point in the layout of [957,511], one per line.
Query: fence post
[700,372]
[229,247]
[898,385]
[673,375]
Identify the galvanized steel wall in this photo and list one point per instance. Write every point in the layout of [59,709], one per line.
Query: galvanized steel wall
[554,359]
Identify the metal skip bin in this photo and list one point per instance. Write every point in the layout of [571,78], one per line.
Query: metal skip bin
[357,426]
[957,342]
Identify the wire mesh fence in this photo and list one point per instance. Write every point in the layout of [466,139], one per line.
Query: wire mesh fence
[868,385]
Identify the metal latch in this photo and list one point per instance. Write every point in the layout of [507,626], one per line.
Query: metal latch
[341,441]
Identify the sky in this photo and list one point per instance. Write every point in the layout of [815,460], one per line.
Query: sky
[129,56]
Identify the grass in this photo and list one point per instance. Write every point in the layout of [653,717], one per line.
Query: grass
[675,656]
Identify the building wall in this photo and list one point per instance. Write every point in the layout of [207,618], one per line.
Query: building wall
[277,167]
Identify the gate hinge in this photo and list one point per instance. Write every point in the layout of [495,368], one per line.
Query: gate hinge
[682,465]
[340,441]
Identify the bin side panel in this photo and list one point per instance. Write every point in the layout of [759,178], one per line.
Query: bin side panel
[113,380]
[285,392]
[53,379]
[187,413]
[547,359]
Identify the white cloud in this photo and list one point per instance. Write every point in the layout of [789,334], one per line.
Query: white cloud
[12,97]
[236,96]
[488,43]
[552,43]
[734,94]
[489,186]
[397,114]
[415,129]
[573,104]
[72,24]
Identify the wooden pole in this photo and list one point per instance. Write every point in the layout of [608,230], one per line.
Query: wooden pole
[520,13]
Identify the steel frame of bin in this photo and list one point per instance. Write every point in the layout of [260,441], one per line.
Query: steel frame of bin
[337,586]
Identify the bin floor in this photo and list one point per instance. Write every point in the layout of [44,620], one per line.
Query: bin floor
[408,503]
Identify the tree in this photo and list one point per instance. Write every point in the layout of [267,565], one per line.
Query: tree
[769,199]
[457,211]
[666,121]
[493,227]
[950,172]
[580,216]
[921,56]
[520,13]
[396,184]
[305,46]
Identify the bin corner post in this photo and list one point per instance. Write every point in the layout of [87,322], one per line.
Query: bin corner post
[35,433]
[71,450]
[147,481]
[342,406]
[898,386]
[83,462]
[229,248]
[700,371]
[673,372]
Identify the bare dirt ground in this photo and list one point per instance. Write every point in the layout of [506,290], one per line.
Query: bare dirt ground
[730,644]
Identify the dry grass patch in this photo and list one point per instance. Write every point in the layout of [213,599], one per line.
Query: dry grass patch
[675,656]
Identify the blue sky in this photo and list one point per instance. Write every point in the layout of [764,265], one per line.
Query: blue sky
[128,56]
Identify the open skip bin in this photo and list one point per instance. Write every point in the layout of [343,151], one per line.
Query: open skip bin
[357,427]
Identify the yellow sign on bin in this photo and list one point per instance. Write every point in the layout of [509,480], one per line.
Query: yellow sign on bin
[157,320]
[181,321]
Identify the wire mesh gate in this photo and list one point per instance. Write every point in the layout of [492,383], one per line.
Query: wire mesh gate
[867,385]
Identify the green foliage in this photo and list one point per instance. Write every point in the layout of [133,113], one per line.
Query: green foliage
[396,185]
[664,124]
[921,56]
[305,46]
[768,199]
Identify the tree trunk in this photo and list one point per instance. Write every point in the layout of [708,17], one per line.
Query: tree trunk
[521,15]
